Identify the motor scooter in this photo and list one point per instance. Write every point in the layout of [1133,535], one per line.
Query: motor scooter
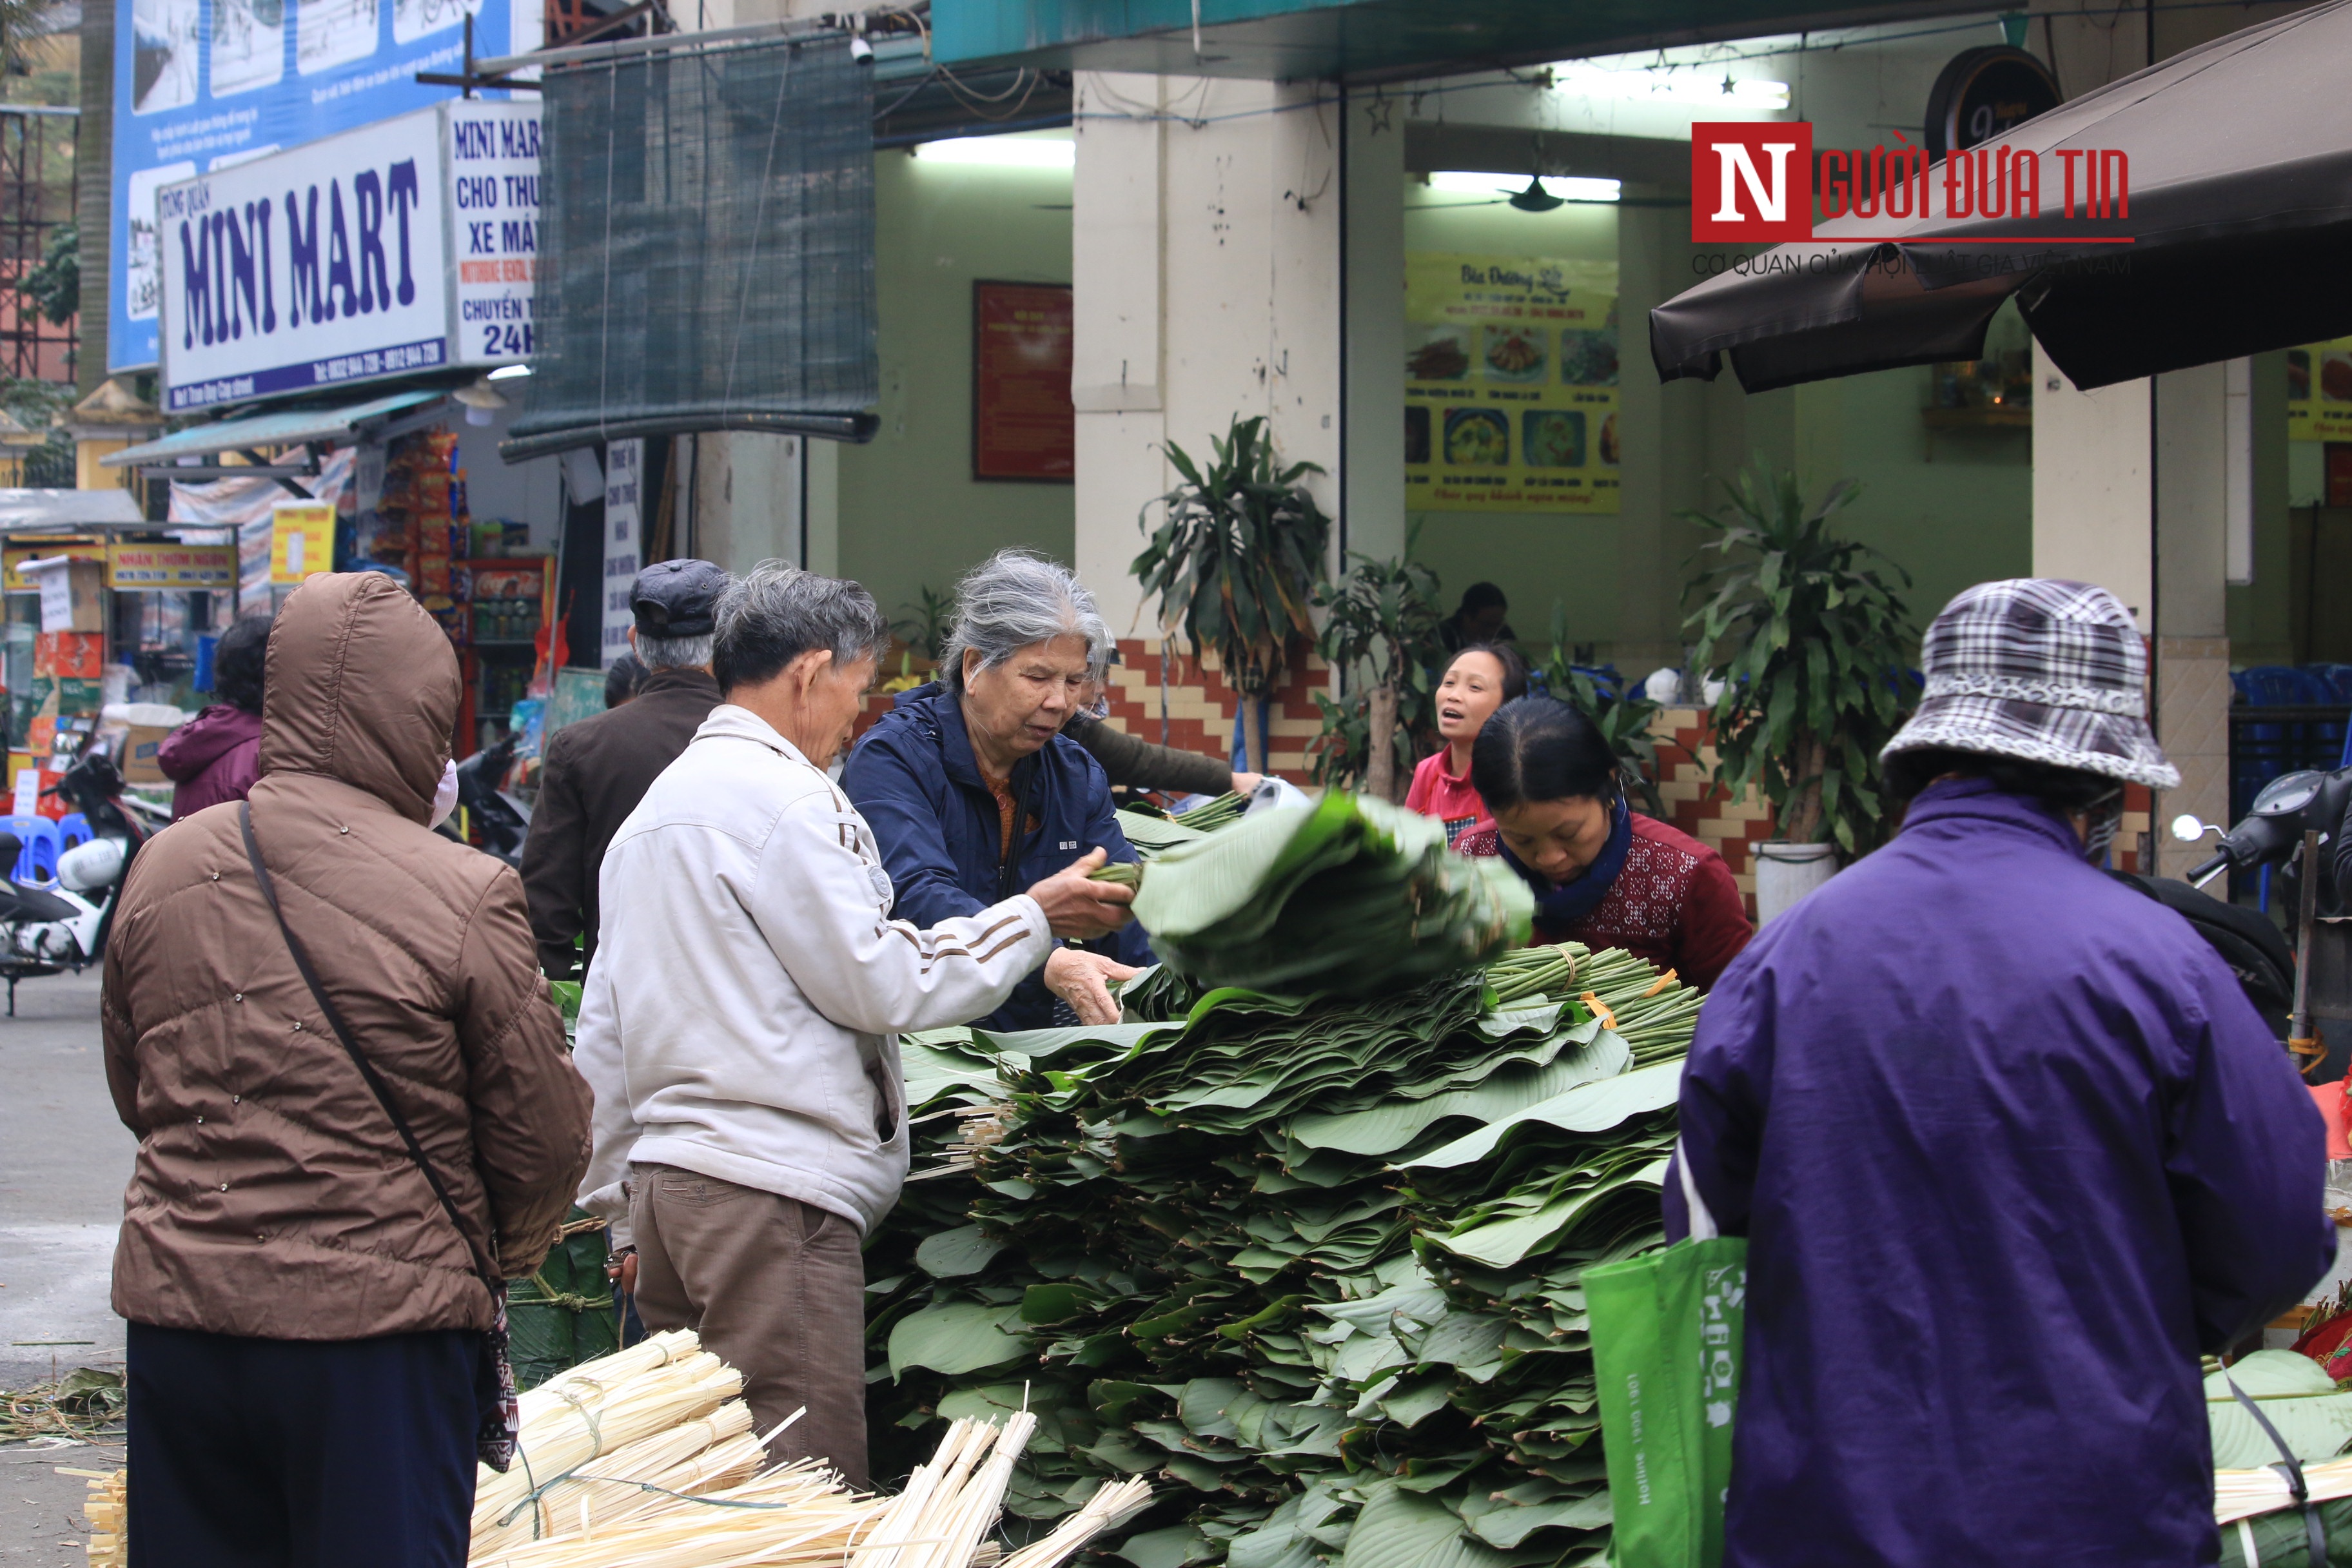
[2298,828]
[49,927]
[500,820]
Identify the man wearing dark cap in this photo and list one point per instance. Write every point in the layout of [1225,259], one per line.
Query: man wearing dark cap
[599,768]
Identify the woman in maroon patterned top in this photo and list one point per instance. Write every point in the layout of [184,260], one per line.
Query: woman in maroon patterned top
[1602,874]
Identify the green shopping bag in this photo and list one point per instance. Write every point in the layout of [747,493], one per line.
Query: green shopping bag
[1665,1349]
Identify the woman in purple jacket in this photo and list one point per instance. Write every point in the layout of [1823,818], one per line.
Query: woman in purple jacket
[2009,1144]
[217,755]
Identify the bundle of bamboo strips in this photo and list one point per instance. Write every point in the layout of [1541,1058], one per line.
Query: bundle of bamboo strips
[600,1487]
[701,1455]
[951,1502]
[597,1409]
[2241,1494]
[110,1543]
[1113,1504]
[794,1514]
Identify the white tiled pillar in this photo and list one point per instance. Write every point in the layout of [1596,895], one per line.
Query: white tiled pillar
[1206,266]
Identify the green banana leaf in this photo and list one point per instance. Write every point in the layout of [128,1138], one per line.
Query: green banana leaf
[2297,1395]
[1234,1244]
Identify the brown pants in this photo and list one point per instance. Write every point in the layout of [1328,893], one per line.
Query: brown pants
[776,1289]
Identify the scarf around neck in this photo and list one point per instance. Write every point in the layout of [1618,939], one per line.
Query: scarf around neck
[1558,905]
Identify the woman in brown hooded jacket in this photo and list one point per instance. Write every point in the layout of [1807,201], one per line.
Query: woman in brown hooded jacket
[307,1339]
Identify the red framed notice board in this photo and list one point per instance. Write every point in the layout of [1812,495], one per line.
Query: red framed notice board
[1023,426]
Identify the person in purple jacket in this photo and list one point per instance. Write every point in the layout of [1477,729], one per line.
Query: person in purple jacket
[2009,1146]
[217,755]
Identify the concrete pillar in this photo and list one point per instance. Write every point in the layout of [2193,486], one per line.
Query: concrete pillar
[1372,492]
[2133,488]
[746,492]
[2092,487]
[1205,271]
[1206,267]
[1117,365]
[2202,458]
[1666,469]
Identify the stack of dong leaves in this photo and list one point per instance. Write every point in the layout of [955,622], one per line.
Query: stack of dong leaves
[1309,1243]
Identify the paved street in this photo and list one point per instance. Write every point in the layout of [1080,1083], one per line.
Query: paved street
[63,1161]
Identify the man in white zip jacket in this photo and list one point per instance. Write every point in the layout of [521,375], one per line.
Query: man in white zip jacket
[738,1025]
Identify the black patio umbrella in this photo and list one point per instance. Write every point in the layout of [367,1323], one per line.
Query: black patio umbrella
[2240,218]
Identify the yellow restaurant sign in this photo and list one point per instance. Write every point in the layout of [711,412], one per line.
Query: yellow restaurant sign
[2319,391]
[129,564]
[206,566]
[21,549]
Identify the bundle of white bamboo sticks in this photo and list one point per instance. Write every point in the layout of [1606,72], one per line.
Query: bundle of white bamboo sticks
[2241,1494]
[646,1458]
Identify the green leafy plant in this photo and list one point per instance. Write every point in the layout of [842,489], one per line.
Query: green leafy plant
[1810,640]
[1623,716]
[925,627]
[1380,620]
[21,22]
[55,285]
[1235,561]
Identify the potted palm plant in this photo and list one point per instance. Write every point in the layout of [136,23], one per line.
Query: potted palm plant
[1380,620]
[1235,561]
[1811,636]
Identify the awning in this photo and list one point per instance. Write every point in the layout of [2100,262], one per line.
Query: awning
[1361,41]
[283,427]
[730,283]
[40,511]
[2239,237]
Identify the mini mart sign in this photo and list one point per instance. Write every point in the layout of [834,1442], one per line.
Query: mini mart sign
[405,246]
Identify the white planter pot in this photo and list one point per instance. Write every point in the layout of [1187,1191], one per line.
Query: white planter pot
[1787,872]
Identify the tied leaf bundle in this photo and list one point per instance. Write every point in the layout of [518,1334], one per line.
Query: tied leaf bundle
[1153,832]
[1345,897]
[1246,1242]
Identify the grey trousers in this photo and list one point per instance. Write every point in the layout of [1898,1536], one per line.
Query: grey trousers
[776,1288]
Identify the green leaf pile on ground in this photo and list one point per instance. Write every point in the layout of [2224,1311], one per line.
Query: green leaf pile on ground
[1314,1264]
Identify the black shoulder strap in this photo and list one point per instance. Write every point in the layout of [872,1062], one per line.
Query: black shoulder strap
[350,1047]
[2291,1470]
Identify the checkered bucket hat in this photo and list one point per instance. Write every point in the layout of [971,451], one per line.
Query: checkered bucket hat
[2044,671]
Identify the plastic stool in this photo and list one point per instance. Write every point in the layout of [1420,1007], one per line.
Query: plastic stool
[73,829]
[39,835]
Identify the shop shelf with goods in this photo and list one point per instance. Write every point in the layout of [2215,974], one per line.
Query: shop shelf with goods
[492,600]
[506,603]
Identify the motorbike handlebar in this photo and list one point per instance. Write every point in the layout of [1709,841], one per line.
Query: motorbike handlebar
[2197,874]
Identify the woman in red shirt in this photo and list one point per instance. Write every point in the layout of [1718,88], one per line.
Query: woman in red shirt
[1602,874]
[1482,677]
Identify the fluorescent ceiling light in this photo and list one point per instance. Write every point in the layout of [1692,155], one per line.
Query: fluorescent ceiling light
[1000,151]
[1471,181]
[508,371]
[1697,84]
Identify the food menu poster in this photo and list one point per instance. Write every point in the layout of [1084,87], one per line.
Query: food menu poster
[1024,426]
[2319,391]
[1510,383]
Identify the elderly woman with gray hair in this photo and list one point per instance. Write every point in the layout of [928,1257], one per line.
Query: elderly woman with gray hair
[972,787]
[738,1025]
